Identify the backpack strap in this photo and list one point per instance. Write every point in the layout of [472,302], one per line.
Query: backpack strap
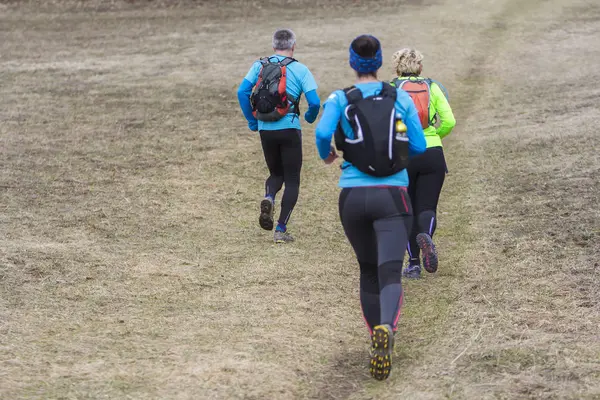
[295,102]
[353,94]
[441,87]
[399,82]
[388,90]
[283,63]
[295,109]
[287,61]
[432,119]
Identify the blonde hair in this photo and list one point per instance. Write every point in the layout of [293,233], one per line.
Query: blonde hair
[407,61]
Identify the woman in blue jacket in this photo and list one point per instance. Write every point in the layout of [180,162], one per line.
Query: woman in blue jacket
[374,206]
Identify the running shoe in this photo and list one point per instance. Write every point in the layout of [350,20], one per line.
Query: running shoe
[283,237]
[382,346]
[428,252]
[412,271]
[266,214]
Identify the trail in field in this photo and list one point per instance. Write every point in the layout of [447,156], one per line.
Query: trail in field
[517,285]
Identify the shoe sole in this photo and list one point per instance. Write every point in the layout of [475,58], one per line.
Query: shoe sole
[430,257]
[266,215]
[381,352]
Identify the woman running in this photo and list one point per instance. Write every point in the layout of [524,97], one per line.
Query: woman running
[376,126]
[426,172]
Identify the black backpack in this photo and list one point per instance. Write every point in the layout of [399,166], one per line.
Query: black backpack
[380,144]
[270,100]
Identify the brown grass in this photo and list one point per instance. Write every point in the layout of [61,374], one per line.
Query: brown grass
[131,264]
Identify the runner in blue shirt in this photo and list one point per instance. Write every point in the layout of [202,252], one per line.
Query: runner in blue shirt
[374,205]
[275,112]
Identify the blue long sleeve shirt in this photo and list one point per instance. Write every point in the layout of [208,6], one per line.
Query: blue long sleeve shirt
[299,80]
[333,115]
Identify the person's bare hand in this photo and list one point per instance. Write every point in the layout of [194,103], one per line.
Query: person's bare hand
[331,157]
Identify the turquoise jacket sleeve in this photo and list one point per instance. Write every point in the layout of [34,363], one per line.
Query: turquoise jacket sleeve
[326,127]
[314,105]
[243,94]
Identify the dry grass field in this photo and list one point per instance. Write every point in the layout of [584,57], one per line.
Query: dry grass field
[131,262]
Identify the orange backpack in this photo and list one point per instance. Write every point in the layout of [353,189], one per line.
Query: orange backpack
[418,90]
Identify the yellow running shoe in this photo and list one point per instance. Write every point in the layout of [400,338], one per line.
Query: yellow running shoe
[382,346]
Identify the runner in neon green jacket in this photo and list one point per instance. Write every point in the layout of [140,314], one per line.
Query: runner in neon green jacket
[427,171]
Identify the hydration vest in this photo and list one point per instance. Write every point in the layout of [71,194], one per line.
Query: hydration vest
[420,92]
[380,144]
[270,100]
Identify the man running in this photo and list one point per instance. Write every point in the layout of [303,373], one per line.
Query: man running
[376,126]
[426,172]
[270,97]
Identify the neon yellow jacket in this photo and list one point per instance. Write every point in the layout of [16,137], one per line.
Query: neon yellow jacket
[438,105]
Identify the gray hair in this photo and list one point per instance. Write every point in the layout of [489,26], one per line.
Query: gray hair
[284,39]
[407,61]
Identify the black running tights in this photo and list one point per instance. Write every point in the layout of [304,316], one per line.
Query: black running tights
[426,174]
[283,154]
[375,220]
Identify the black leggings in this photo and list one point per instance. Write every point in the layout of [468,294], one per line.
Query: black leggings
[426,174]
[375,221]
[283,154]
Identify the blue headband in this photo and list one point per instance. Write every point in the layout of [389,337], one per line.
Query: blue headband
[366,65]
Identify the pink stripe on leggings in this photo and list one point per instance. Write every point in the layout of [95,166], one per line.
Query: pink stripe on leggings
[395,327]
[365,319]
